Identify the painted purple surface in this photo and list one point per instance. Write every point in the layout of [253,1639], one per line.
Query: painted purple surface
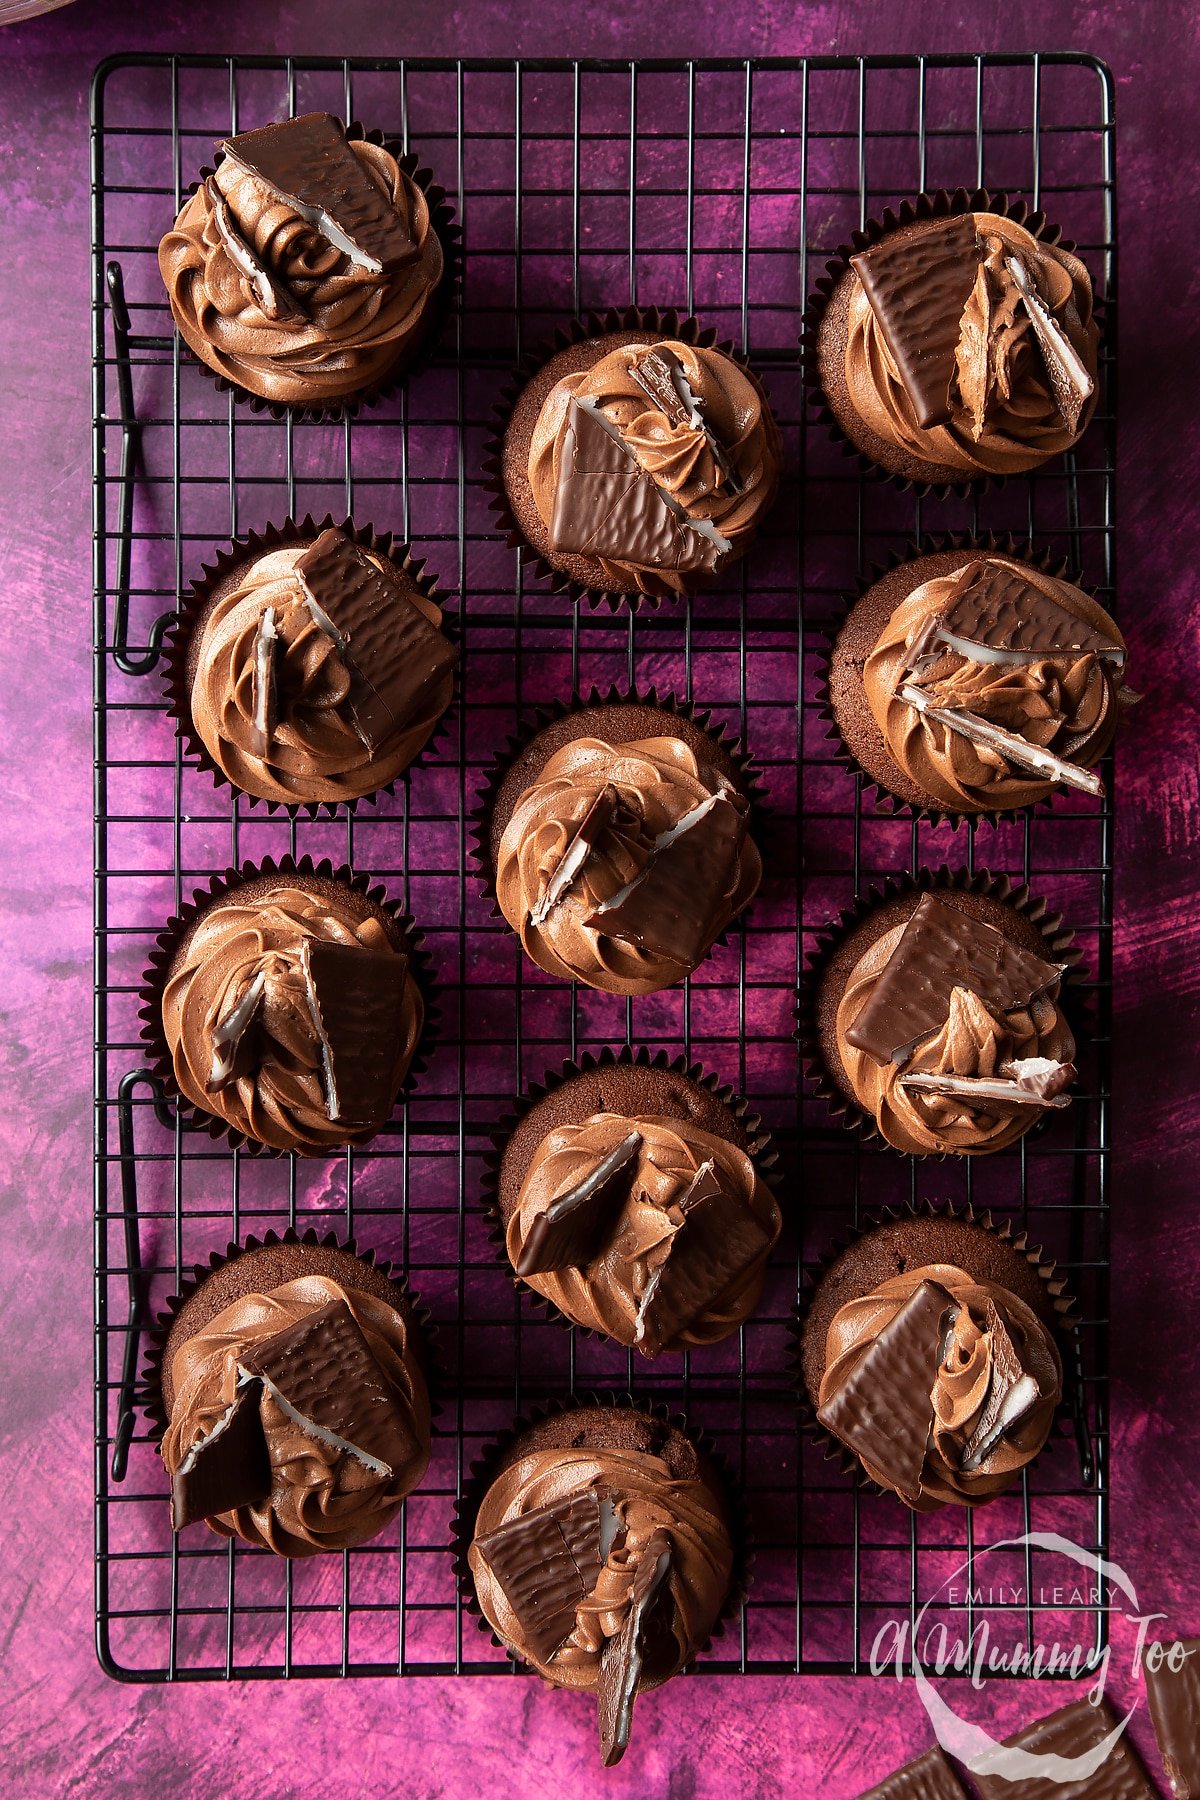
[64,1729]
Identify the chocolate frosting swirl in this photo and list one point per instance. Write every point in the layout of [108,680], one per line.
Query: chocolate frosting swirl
[1064,704]
[314,753]
[1004,417]
[321,1498]
[606,1294]
[357,325]
[973,1042]
[277,1095]
[658,780]
[646,1499]
[961,1387]
[678,455]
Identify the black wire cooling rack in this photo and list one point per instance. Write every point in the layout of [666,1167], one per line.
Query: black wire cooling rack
[714,187]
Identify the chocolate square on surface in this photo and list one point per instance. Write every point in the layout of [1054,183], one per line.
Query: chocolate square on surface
[231,1467]
[355,997]
[918,287]
[883,1410]
[1174,1696]
[1071,1732]
[547,1562]
[321,1370]
[930,1777]
[940,949]
[308,164]
[393,654]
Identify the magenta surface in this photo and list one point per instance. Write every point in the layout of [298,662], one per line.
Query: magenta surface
[64,1728]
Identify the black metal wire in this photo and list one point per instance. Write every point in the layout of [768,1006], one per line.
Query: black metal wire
[721,186]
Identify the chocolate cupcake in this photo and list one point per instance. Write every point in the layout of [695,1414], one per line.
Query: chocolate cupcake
[629,1193]
[602,1552]
[930,1351]
[614,836]
[954,340]
[308,666]
[288,1383]
[307,270]
[285,1006]
[636,459]
[970,679]
[932,1014]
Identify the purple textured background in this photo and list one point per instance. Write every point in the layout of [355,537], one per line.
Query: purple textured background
[64,1729]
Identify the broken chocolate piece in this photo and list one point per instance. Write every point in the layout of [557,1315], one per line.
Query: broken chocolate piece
[718,1239]
[995,615]
[355,998]
[273,297]
[662,378]
[1040,1075]
[576,1225]
[1174,1696]
[940,949]
[322,1374]
[228,1036]
[883,1410]
[547,1562]
[1070,382]
[587,833]
[930,1777]
[1008,745]
[227,1469]
[1101,1763]
[266,647]
[917,288]
[677,902]
[606,505]
[393,654]
[308,164]
[988,1090]
[1010,1396]
[623,1655]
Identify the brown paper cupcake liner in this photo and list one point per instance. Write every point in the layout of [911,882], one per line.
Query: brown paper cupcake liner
[1060,947]
[746,771]
[150,993]
[761,1149]
[986,542]
[668,324]
[479,1479]
[943,204]
[413,360]
[249,546]
[1062,1303]
[406,1302]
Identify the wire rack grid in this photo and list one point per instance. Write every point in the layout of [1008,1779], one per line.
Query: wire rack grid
[718,188]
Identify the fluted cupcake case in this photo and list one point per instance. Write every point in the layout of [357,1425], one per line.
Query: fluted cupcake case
[413,359]
[483,1469]
[399,925]
[942,204]
[633,322]
[1058,947]
[751,1136]
[193,604]
[1058,1309]
[966,543]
